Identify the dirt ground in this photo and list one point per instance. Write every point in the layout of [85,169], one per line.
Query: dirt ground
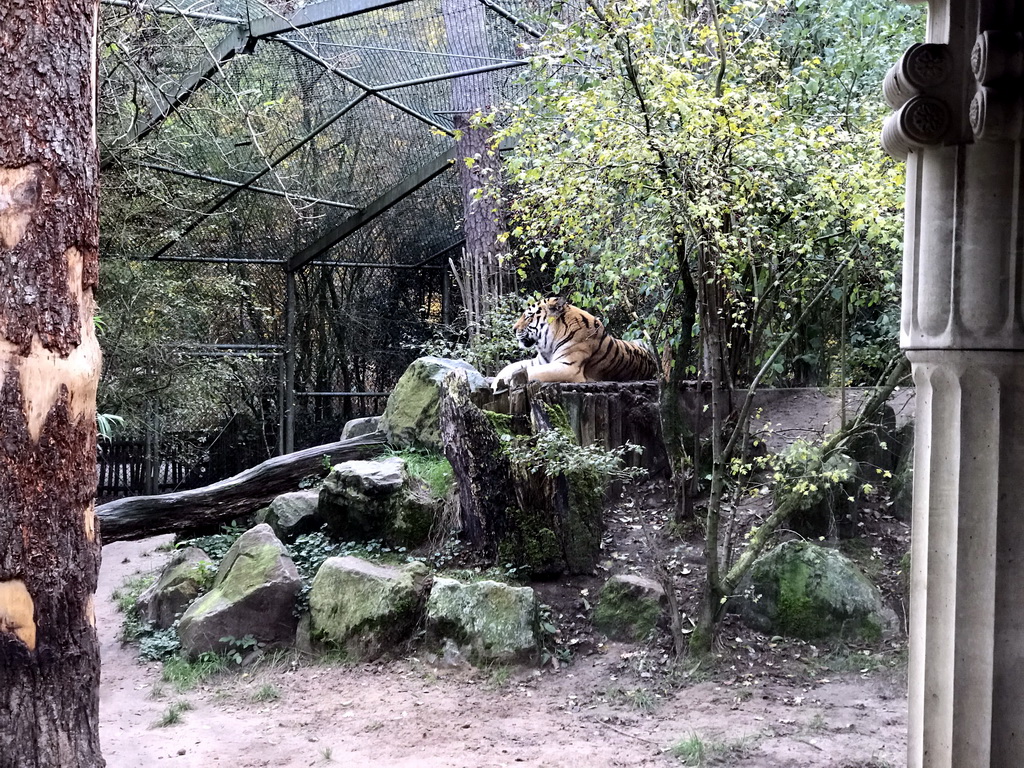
[613,705]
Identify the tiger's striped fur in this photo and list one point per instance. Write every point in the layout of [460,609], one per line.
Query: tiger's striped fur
[573,346]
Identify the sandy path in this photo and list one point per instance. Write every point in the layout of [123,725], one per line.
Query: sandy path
[410,713]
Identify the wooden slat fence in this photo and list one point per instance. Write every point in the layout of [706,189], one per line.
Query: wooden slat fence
[609,414]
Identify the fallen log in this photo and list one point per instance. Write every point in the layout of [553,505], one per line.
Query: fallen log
[205,509]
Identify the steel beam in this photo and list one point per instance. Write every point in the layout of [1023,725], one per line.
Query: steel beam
[172,11]
[234,41]
[311,15]
[229,183]
[259,175]
[356,221]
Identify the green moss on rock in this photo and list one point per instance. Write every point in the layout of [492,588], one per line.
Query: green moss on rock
[492,622]
[364,608]
[629,608]
[813,593]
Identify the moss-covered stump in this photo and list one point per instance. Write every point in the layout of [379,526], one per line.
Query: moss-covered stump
[364,500]
[629,608]
[805,591]
[366,609]
[490,622]
[253,595]
[185,575]
[411,418]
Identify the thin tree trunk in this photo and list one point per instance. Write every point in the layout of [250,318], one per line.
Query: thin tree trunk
[478,166]
[49,368]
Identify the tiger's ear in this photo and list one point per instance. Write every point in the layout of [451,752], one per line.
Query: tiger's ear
[557,305]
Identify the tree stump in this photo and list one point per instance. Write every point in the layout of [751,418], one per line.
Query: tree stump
[482,470]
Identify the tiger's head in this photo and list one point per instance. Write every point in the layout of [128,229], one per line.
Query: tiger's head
[535,323]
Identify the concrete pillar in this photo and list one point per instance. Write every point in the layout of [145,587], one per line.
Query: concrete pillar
[959,123]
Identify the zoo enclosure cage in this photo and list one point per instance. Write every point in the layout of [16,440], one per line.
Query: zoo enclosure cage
[305,151]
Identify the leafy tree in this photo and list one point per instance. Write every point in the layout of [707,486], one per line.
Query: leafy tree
[715,174]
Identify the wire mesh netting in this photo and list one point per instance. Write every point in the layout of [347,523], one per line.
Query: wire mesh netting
[243,140]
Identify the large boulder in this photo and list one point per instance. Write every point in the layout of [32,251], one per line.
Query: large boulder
[253,595]
[487,620]
[366,609]
[629,608]
[364,500]
[411,417]
[802,590]
[186,574]
[295,513]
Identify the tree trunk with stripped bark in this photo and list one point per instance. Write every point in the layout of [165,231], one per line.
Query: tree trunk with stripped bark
[49,369]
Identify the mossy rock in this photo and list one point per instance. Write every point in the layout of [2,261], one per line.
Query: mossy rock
[411,418]
[629,608]
[489,621]
[186,574]
[364,608]
[366,500]
[253,595]
[813,593]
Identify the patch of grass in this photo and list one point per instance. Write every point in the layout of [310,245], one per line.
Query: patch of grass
[698,752]
[126,598]
[499,677]
[433,469]
[172,715]
[267,693]
[640,699]
[325,754]
[817,724]
[185,675]
[691,751]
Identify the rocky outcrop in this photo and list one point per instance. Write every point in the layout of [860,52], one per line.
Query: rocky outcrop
[364,608]
[188,572]
[629,608]
[292,514]
[253,595]
[364,500]
[487,621]
[411,417]
[802,590]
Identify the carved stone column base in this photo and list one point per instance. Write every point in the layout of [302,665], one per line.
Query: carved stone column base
[967,581]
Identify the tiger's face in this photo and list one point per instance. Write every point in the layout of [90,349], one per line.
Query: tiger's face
[535,322]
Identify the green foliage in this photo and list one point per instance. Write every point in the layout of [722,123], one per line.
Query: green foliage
[487,348]
[158,644]
[801,471]
[589,468]
[737,151]
[699,752]
[433,469]
[126,598]
[185,674]
[267,692]
[215,545]
[239,647]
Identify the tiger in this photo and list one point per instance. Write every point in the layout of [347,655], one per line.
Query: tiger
[573,346]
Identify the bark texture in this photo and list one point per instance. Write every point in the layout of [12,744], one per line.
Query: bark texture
[49,368]
[485,276]
[482,471]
